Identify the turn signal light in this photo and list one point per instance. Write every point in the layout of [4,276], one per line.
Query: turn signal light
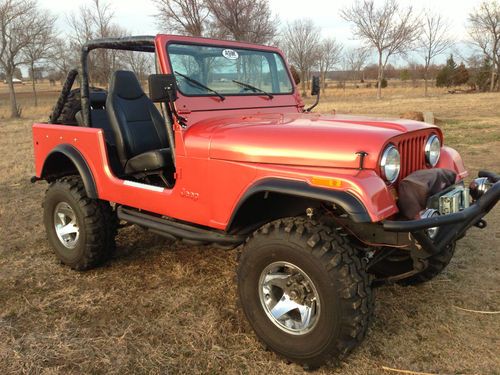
[326,182]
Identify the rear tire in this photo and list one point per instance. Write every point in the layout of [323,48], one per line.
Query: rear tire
[80,230]
[320,282]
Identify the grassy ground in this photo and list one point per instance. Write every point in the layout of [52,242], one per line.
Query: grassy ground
[163,307]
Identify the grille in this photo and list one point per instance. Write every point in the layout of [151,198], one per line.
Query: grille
[412,155]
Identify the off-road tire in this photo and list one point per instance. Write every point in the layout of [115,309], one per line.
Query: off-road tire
[436,264]
[73,105]
[96,220]
[335,270]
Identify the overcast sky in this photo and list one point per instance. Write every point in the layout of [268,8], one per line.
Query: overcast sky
[138,15]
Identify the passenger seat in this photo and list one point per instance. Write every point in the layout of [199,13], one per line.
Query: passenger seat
[98,115]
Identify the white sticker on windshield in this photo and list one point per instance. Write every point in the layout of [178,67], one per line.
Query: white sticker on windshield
[230,54]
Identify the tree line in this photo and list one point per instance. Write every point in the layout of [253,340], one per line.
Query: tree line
[29,38]
[386,30]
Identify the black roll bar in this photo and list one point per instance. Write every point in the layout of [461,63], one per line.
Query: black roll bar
[132,43]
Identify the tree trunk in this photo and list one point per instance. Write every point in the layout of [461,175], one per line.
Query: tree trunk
[303,82]
[380,76]
[33,83]
[498,78]
[323,82]
[425,83]
[14,110]
[493,72]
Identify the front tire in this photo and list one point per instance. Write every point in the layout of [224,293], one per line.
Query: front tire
[304,291]
[402,263]
[437,264]
[80,230]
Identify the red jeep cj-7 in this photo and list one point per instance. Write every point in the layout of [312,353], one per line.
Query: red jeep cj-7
[324,207]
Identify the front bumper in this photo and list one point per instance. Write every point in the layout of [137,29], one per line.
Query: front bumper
[452,226]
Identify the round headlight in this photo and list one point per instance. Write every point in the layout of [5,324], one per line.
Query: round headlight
[432,150]
[390,164]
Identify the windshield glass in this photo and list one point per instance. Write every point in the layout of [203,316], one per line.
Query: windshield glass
[218,67]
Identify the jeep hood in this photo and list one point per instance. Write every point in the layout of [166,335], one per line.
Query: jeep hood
[303,139]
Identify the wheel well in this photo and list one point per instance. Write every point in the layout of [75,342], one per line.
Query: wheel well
[267,206]
[58,165]
[65,160]
[270,199]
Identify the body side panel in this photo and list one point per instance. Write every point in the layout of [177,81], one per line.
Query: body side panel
[206,191]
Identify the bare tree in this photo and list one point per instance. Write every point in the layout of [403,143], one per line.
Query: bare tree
[40,46]
[183,16]
[19,24]
[434,41]
[244,20]
[329,55]
[484,30]
[300,40]
[355,59]
[82,27]
[389,29]
[96,22]
[141,63]
[60,60]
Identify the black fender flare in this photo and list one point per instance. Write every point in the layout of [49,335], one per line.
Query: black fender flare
[349,203]
[80,164]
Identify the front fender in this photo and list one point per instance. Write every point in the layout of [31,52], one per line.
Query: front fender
[360,193]
[367,187]
[347,201]
[451,159]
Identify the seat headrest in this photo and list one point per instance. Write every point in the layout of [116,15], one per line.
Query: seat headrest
[125,85]
[98,99]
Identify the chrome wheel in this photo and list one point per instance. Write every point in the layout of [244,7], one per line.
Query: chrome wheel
[289,298]
[66,225]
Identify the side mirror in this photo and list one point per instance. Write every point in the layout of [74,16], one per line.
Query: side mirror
[315,86]
[162,88]
[315,90]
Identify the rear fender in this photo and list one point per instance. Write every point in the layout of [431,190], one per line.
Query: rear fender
[65,160]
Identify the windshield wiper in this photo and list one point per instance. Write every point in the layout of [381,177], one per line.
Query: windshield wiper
[255,89]
[199,84]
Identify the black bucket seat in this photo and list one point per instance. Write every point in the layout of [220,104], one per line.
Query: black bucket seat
[139,129]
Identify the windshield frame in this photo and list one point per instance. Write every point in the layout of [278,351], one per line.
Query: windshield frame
[232,46]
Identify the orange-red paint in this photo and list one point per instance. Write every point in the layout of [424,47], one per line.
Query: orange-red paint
[228,146]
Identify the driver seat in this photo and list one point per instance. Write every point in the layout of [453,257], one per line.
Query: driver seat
[138,127]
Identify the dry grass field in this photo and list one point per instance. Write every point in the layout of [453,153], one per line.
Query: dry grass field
[169,308]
